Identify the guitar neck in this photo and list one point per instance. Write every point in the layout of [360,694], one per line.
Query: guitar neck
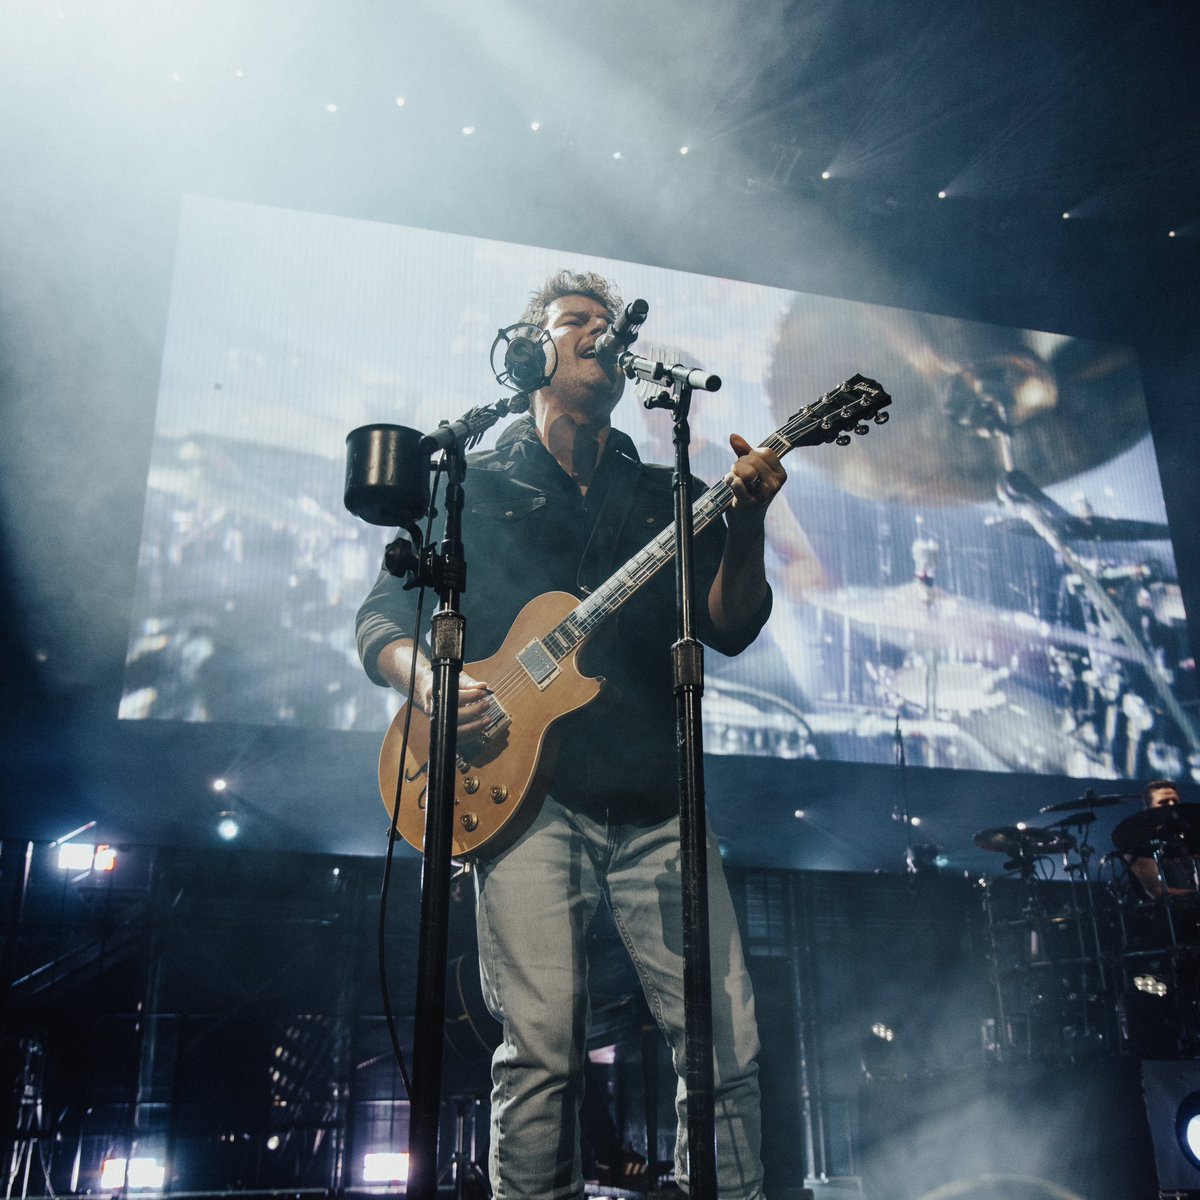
[589,614]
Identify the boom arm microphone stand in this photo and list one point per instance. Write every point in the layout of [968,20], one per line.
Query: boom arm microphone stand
[688,672]
[380,491]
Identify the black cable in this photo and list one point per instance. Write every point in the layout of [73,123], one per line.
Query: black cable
[385,993]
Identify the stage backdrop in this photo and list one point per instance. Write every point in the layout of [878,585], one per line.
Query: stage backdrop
[1043,633]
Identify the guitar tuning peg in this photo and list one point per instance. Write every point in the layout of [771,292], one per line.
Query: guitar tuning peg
[842,439]
[862,428]
[881,417]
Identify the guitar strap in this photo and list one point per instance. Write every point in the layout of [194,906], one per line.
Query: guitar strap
[599,555]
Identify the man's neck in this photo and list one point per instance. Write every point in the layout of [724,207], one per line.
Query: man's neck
[575,442]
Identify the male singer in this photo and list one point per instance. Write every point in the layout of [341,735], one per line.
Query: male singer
[558,505]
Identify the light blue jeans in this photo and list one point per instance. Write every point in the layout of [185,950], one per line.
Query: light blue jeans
[535,900]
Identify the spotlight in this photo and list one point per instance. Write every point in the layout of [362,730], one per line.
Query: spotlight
[399,101]
[1171,234]
[535,126]
[139,1174]
[1066,216]
[1187,1127]
[1021,825]
[76,856]
[385,1167]
[941,195]
[617,154]
[683,149]
[799,814]
[219,785]
[228,826]
[914,821]
[105,859]
[468,130]
[824,174]
[883,1032]
[1150,984]
[331,108]
[1172,1093]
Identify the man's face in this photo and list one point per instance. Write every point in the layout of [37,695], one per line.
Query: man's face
[580,383]
[1163,797]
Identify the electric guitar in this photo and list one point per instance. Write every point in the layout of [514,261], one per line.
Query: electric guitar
[534,678]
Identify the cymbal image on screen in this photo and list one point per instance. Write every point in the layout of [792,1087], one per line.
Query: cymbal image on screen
[1068,404]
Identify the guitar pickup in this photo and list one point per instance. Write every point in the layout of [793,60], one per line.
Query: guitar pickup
[539,664]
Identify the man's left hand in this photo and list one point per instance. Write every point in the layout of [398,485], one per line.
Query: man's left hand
[755,477]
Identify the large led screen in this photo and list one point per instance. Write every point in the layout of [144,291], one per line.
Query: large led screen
[990,571]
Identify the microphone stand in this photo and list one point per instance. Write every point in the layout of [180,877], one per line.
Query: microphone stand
[688,671]
[446,571]
[447,636]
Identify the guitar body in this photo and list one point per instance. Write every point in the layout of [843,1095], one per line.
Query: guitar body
[497,777]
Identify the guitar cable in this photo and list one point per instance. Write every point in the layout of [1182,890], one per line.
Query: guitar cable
[389,857]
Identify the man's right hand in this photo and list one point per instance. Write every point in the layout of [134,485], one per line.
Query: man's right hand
[395,662]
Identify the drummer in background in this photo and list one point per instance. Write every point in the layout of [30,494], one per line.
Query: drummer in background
[1177,876]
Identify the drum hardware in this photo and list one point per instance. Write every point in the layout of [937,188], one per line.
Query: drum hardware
[1088,801]
[1160,935]
[1024,844]
[1024,415]
[1024,498]
[1078,982]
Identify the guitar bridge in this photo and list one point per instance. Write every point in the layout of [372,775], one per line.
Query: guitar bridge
[539,664]
[497,720]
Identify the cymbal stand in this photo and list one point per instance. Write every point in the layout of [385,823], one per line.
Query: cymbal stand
[462,1162]
[1037,921]
[1078,874]
[1002,1036]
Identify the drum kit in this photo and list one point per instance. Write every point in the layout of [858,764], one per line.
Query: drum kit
[1059,648]
[1082,963]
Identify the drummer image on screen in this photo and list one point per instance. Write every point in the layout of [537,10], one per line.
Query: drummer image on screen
[1161,843]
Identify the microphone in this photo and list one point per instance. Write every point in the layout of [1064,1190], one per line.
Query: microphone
[622,333]
[525,365]
[525,362]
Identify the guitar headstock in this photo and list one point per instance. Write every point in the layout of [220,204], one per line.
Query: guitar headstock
[838,414]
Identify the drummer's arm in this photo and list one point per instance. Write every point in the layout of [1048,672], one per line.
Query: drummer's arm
[1146,872]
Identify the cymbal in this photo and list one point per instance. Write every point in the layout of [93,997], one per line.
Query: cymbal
[1178,825]
[932,619]
[1089,800]
[1070,406]
[1017,842]
[1091,529]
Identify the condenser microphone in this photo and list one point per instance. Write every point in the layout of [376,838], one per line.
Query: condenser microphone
[528,360]
[623,332]
[525,362]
